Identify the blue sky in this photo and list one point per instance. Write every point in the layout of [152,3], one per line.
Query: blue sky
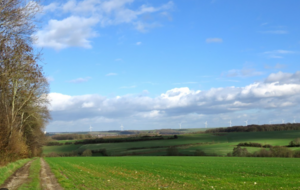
[154,64]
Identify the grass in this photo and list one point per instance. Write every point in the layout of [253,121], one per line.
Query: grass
[60,149]
[34,175]
[176,172]
[220,144]
[9,169]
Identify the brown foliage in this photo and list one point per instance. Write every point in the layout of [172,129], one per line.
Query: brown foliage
[23,87]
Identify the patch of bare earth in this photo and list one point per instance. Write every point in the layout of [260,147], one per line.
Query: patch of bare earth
[18,178]
[48,180]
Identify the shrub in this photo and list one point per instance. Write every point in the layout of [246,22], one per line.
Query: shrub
[87,152]
[295,143]
[238,151]
[53,143]
[199,153]
[172,151]
[279,151]
[229,154]
[297,153]
[251,144]
[262,153]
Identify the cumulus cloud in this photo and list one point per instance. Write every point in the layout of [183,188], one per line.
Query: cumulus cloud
[284,78]
[80,80]
[80,18]
[70,32]
[278,94]
[214,40]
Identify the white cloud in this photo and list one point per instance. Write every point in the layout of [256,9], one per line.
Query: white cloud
[284,78]
[70,32]
[138,43]
[278,53]
[80,80]
[245,72]
[277,66]
[111,74]
[80,19]
[88,104]
[214,40]
[51,7]
[278,95]
[50,79]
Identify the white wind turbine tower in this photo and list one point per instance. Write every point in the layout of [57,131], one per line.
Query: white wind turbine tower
[270,122]
[205,124]
[246,122]
[122,128]
[230,123]
[180,125]
[282,121]
[91,128]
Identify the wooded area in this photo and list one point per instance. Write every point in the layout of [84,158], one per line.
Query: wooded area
[256,128]
[23,86]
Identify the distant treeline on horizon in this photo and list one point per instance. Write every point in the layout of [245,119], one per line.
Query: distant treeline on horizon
[256,128]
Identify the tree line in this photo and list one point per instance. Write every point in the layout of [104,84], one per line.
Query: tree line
[257,128]
[23,86]
[274,151]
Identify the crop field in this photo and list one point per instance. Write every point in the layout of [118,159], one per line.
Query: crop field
[176,172]
[218,144]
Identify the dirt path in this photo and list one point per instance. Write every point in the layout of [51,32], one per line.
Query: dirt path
[48,180]
[18,178]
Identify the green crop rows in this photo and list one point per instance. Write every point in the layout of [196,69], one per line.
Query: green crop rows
[218,144]
[176,172]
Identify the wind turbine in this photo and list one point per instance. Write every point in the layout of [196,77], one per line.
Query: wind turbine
[205,124]
[230,123]
[180,125]
[270,122]
[91,128]
[246,122]
[282,121]
[122,128]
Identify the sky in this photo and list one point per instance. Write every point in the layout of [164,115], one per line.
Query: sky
[161,63]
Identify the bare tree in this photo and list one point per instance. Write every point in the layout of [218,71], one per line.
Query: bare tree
[23,86]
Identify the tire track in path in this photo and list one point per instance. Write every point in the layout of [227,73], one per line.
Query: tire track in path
[18,178]
[48,180]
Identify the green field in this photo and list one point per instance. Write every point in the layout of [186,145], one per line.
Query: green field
[176,172]
[218,144]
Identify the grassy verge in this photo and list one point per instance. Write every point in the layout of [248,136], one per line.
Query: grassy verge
[34,175]
[9,169]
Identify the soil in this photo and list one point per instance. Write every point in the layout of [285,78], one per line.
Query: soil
[21,176]
[48,180]
[18,178]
